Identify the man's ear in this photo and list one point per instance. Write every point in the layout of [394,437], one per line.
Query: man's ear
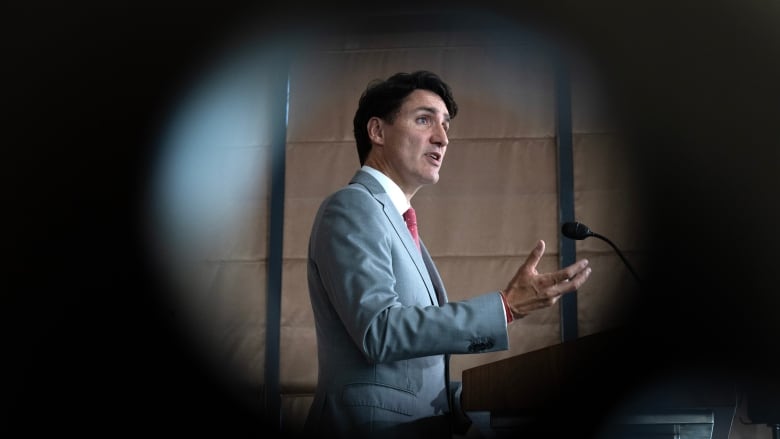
[376,131]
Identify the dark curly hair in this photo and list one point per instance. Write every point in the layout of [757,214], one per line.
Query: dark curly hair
[383,99]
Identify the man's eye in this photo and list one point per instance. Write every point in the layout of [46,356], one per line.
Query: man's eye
[422,119]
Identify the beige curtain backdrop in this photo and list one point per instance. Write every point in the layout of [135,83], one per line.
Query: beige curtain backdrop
[498,189]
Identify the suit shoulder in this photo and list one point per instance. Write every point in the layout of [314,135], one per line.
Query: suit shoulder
[353,194]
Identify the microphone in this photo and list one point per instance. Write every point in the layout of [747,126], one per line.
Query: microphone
[579,231]
[576,231]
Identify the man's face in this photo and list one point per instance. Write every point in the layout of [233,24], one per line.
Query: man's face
[414,144]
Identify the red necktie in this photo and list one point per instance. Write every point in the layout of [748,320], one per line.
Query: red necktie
[411,223]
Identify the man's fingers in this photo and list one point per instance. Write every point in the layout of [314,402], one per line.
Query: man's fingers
[535,256]
[573,283]
[572,270]
[566,274]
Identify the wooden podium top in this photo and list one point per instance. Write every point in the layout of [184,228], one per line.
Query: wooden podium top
[535,378]
[591,379]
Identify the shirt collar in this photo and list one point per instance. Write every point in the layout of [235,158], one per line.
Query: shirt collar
[393,190]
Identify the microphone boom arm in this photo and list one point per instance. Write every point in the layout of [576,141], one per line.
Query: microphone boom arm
[625,261]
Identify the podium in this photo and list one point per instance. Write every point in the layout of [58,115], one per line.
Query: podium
[606,386]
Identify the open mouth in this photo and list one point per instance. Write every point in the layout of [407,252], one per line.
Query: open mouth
[435,156]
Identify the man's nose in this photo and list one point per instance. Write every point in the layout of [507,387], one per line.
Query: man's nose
[440,137]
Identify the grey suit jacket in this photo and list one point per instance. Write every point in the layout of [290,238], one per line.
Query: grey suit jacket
[385,329]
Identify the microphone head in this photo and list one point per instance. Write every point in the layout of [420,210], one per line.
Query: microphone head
[576,230]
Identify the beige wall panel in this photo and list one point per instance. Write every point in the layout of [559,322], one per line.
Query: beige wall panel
[298,339]
[514,98]
[229,305]
[606,300]
[487,225]
[609,200]
[246,173]
[314,170]
[240,287]
[323,93]
[296,307]
[501,91]
[615,215]
[245,352]
[218,199]
[536,331]
[502,167]
[483,185]
[299,216]
[317,169]
[325,88]
[608,195]
[230,316]
[243,234]
[298,359]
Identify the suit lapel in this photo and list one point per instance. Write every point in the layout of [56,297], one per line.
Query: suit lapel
[397,223]
[438,285]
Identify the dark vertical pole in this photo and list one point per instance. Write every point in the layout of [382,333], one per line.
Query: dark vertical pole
[279,105]
[565,190]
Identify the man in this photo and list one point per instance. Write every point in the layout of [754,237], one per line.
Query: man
[385,328]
